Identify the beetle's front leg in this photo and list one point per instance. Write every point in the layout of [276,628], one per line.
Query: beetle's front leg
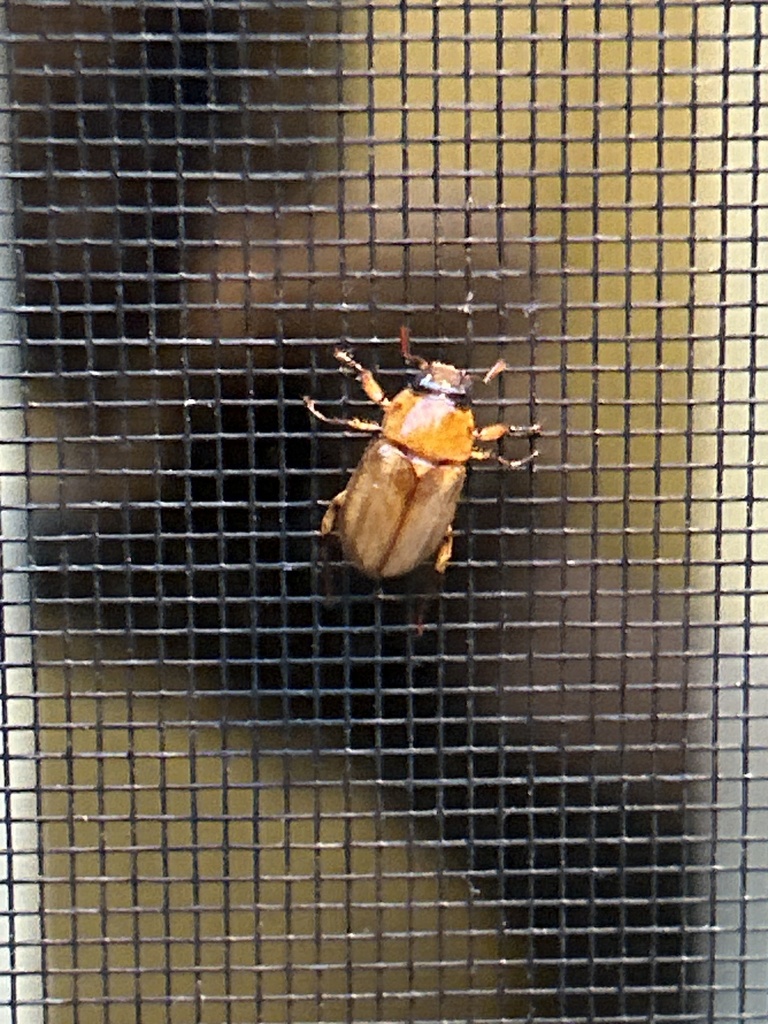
[368,382]
[354,424]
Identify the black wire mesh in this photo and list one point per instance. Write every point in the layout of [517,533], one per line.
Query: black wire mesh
[266,787]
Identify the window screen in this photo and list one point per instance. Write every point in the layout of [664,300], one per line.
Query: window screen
[244,781]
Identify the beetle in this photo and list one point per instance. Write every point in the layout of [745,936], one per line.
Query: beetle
[398,508]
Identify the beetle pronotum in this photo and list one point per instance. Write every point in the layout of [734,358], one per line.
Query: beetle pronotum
[398,507]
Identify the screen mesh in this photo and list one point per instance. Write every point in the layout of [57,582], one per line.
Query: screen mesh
[243,781]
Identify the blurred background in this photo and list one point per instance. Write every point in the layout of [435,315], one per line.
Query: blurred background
[242,787]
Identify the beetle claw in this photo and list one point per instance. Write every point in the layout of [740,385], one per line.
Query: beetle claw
[527,460]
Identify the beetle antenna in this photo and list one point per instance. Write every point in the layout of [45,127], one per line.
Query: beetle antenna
[498,367]
[405,348]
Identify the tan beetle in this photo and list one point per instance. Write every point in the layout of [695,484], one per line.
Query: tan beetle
[397,509]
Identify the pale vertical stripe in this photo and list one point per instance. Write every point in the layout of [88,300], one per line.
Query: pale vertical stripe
[20,934]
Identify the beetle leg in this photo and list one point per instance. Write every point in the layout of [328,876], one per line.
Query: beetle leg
[482,456]
[328,523]
[445,551]
[353,424]
[496,431]
[368,382]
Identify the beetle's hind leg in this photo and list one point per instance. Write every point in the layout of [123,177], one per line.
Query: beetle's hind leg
[327,530]
[444,552]
[442,560]
[368,382]
[369,426]
[328,523]
[483,456]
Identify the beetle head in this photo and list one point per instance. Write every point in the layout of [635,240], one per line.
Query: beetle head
[436,378]
[444,379]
